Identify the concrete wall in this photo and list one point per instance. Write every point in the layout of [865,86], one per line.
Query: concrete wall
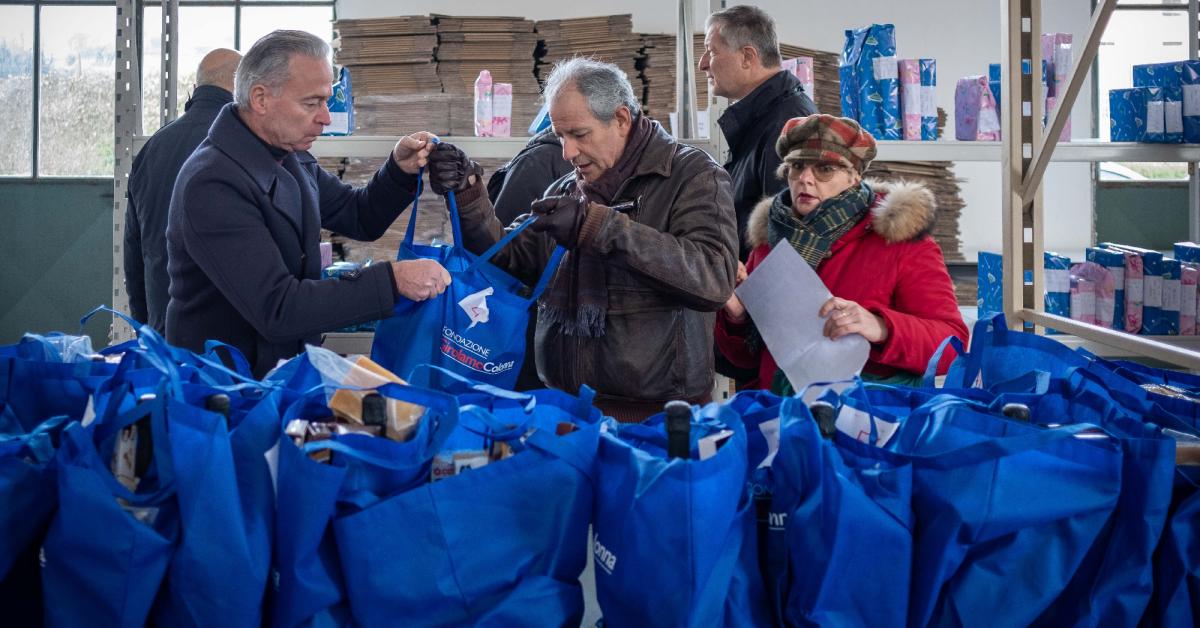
[963,35]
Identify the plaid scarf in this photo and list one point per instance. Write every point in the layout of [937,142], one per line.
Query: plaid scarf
[813,235]
[577,297]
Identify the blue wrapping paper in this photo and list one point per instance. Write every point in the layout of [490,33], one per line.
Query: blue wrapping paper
[1190,77]
[341,106]
[870,79]
[1115,263]
[1168,76]
[1187,252]
[1057,284]
[994,85]
[1129,113]
[1154,321]
[991,284]
[929,100]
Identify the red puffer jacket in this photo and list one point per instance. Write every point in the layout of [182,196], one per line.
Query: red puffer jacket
[888,264]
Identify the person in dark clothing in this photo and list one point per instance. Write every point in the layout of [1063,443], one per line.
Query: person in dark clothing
[152,179]
[248,207]
[523,180]
[512,189]
[742,60]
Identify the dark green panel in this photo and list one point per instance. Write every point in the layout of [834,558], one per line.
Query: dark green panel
[1149,215]
[57,240]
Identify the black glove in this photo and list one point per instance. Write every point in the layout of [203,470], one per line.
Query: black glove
[560,216]
[449,168]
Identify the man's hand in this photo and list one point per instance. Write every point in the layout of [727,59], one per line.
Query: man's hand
[412,151]
[561,217]
[845,317]
[451,169]
[420,279]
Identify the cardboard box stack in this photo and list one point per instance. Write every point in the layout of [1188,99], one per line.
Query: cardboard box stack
[504,46]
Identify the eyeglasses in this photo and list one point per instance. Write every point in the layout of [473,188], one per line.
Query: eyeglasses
[823,171]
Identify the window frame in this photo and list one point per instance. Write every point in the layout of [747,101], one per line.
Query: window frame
[37,5]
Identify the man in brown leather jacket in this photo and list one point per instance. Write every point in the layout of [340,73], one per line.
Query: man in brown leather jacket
[652,240]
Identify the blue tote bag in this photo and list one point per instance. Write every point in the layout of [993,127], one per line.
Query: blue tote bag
[841,528]
[307,585]
[476,327]
[35,387]
[669,534]
[999,355]
[500,545]
[996,501]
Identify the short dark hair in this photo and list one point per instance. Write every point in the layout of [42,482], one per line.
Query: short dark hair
[744,25]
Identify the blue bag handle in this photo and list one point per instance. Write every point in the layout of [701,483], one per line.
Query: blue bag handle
[241,365]
[528,400]
[539,438]
[167,354]
[551,265]
[452,205]
[928,381]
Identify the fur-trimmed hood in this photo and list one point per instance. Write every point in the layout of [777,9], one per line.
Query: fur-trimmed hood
[905,212]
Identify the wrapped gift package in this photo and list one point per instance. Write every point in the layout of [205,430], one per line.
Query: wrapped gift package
[1190,77]
[1104,284]
[1083,300]
[502,101]
[341,106]
[483,104]
[870,82]
[1114,261]
[929,114]
[975,115]
[991,284]
[802,69]
[1168,76]
[1056,69]
[1058,284]
[1129,114]
[1154,323]
[994,84]
[1134,288]
[1188,278]
[1172,287]
[1187,252]
[910,98]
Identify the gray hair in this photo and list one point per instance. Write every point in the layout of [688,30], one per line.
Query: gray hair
[744,25]
[267,62]
[604,85]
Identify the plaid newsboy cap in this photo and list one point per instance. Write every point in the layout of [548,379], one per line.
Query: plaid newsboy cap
[822,137]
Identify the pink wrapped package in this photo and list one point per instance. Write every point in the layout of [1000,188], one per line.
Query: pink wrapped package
[802,68]
[975,114]
[1083,300]
[1135,274]
[502,97]
[483,104]
[1056,57]
[910,98]
[1103,289]
[1187,299]
[326,255]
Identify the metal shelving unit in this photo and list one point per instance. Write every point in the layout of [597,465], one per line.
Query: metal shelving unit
[1025,153]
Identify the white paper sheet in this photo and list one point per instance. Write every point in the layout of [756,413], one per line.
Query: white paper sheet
[783,296]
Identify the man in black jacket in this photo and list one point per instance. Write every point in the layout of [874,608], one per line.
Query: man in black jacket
[248,208]
[152,179]
[741,58]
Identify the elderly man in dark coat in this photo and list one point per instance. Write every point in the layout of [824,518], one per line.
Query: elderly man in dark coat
[249,204]
[652,241]
[153,178]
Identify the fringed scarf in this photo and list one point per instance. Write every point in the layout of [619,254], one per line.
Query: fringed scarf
[577,297]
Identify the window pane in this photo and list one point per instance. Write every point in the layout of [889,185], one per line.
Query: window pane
[1133,38]
[258,21]
[1182,3]
[201,29]
[76,116]
[16,90]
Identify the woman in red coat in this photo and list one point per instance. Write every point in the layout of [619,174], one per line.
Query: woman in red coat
[868,241]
